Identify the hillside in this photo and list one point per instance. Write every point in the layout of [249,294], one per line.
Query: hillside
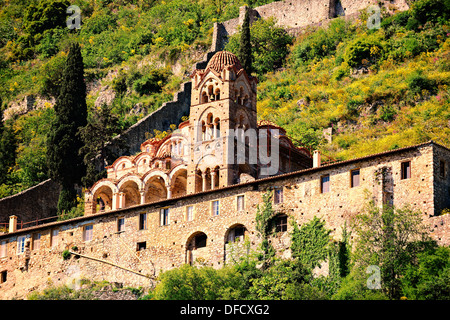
[376,89]
[136,55]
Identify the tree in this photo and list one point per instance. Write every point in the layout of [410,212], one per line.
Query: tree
[428,276]
[269,46]
[101,127]
[244,53]
[389,238]
[64,142]
[8,145]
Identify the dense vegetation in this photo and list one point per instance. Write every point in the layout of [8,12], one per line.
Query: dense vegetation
[379,89]
[141,50]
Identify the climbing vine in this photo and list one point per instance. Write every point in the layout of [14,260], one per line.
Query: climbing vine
[264,215]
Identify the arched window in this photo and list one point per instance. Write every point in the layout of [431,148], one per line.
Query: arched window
[204,97]
[210,93]
[203,133]
[241,95]
[217,94]
[217,128]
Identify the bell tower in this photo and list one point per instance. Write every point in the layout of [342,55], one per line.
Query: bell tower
[223,99]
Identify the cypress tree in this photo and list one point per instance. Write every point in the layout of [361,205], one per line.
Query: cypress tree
[245,46]
[8,145]
[64,142]
[102,126]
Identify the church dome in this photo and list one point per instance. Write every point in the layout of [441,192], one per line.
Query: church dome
[223,59]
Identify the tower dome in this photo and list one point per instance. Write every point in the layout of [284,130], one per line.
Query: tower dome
[223,59]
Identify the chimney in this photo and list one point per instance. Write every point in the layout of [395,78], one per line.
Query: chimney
[316,159]
[12,224]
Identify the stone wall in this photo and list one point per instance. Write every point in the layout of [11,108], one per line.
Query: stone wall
[296,15]
[167,246]
[37,202]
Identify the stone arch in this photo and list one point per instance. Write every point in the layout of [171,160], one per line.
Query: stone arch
[178,181]
[156,172]
[234,246]
[236,232]
[133,178]
[142,163]
[198,180]
[242,119]
[102,197]
[123,163]
[196,247]
[155,186]
[102,183]
[129,193]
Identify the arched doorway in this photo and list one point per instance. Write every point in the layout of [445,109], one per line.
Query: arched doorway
[235,244]
[196,248]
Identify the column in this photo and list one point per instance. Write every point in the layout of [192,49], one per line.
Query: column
[142,192]
[213,179]
[203,181]
[169,192]
[121,200]
[114,201]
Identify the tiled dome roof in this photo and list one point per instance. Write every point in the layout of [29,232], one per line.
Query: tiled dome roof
[223,59]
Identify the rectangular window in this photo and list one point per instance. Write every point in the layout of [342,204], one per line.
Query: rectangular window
[354,178]
[36,241]
[215,208]
[143,221]
[141,246]
[164,217]
[325,183]
[189,213]
[3,249]
[278,195]
[21,244]
[442,169]
[3,276]
[120,224]
[87,232]
[406,170]
[54,238]
[240,203]
[281,223]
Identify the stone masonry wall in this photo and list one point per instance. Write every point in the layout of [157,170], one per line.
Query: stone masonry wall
[166,246]
[37,202]
[295,15]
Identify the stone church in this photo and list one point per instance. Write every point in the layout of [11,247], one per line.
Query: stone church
[192,197]
[205,152]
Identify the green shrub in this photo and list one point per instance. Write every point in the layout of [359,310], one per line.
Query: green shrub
[99,22]
[322,42]
[417,83]
[387,113]
[66,254]
[151,82]
[364,50]
[119,84]
[431,11]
